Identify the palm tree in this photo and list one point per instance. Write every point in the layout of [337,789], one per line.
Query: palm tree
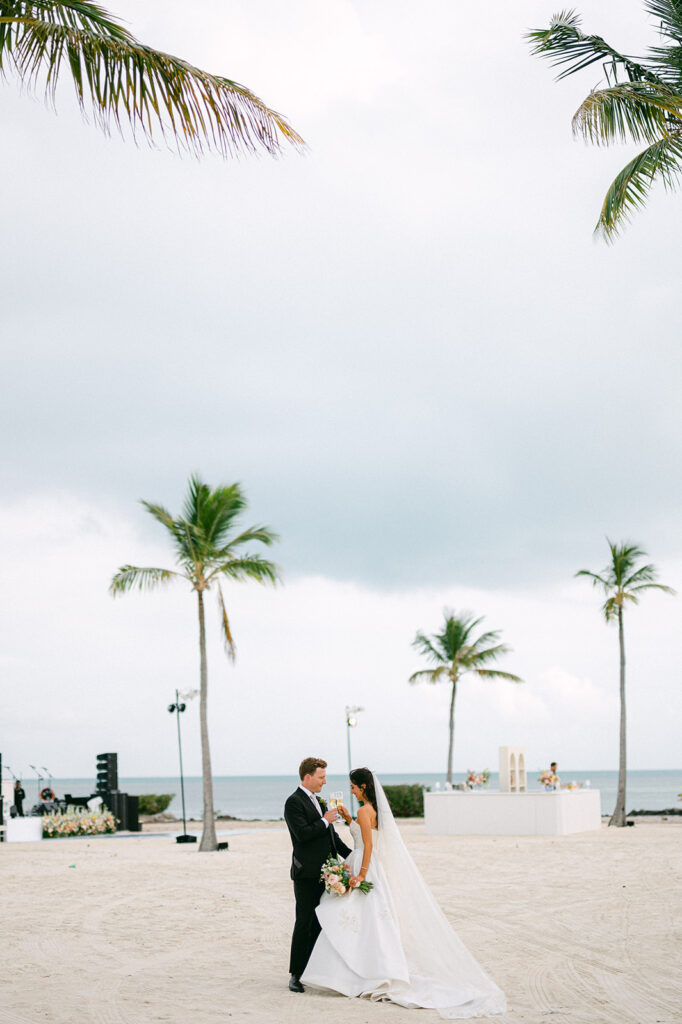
[641,101]
[159,95]
[454,651]
[207,551]
[623,580]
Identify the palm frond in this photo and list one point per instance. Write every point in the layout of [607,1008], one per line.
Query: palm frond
[494,673]
[596,579]
[251,567]
[668,14]
[262,534]
[630,189]
[429,675]
[161,515]
[211,513]
[454,640]
[564,45]
[475,657]
[131,577]
[643,574]
[636,111]
[119,78]
[424,645]
[230,648]
[177,529]
[491,637]
[655,586]
[610,609]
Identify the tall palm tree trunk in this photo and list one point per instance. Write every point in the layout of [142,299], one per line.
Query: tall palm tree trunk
[208,838]
[451,745]
[618,816]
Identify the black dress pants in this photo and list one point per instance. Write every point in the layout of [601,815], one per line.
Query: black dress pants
[307,892]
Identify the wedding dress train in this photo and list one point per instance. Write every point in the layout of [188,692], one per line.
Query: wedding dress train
[394,942]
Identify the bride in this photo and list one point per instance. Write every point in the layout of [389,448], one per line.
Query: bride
[394,942]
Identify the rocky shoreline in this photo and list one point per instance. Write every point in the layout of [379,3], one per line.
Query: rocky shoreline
[659,814]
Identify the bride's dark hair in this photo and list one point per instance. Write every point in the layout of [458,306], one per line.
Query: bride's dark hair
[363,778]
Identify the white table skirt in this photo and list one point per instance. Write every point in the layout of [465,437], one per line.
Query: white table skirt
[484,813]
[24,830]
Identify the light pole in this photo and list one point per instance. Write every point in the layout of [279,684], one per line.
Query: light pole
[178,708]
[351,722]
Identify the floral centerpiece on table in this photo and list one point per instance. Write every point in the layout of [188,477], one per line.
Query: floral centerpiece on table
[336,877]
[77,821]
[476,780]
[549,780]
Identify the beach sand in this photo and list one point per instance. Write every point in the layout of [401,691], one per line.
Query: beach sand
[581,929]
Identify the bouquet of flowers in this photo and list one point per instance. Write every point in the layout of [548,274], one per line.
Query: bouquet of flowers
[549,780]
[336,877]
[77,822]
[475,780]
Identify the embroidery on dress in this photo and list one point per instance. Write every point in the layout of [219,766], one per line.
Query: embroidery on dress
[349,921]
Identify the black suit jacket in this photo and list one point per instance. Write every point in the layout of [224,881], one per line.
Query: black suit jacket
[313,840]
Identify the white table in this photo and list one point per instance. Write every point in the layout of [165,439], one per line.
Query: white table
[24,830]
[484,813]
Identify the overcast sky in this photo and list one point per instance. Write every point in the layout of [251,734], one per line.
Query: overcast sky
[407,346]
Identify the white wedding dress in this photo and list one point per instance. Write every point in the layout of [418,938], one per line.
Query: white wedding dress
[394,942]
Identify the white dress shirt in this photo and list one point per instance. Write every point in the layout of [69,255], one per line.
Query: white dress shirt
[313,797]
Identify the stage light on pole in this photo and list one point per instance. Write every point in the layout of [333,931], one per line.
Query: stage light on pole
[351,721]
[177,709]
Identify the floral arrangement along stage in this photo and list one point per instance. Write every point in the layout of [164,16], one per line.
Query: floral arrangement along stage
[549,780]
[336,877]
[77,821]
[475,780]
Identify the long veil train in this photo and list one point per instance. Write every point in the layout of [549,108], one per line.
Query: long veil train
[441,967]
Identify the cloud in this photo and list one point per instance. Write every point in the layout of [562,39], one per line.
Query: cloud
[83,672]
[407,347]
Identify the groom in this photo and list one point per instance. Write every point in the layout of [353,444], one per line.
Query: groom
[314,839]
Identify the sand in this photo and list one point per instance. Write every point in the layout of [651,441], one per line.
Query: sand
[581,929]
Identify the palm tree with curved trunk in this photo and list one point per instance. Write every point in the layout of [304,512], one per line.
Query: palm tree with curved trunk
[623,580]
[454,652]
[640,101]
[119,78]
[208,549]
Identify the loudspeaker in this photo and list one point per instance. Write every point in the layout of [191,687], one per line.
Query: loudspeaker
[107,773]
[125,808]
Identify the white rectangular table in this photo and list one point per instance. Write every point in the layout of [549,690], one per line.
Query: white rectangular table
[24,830]
[484,813]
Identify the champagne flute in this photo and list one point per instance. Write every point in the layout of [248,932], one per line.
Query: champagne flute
[332,800]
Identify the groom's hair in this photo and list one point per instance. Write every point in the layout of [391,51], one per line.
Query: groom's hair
[309,766]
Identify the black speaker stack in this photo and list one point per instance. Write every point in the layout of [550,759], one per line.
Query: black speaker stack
[107,774]
[123,806]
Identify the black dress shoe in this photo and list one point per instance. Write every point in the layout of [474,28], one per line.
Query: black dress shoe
[295,984]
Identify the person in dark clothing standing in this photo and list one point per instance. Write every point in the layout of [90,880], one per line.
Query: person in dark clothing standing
[19,798]
[314,839]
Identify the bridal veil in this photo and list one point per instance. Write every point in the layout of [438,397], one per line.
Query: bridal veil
[443,973]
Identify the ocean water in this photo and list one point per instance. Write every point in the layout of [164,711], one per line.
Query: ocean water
[263,796]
